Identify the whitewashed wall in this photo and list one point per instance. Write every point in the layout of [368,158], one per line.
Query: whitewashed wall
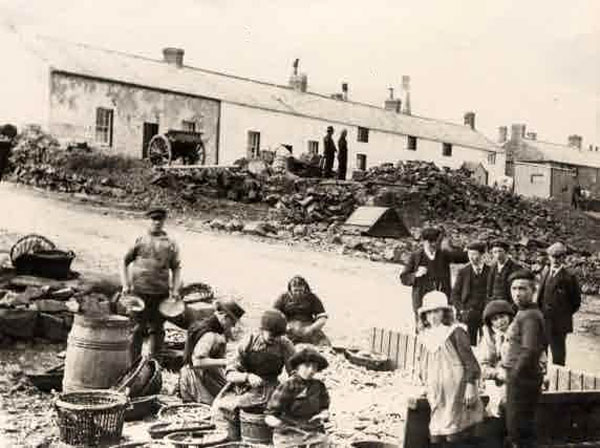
[532,180]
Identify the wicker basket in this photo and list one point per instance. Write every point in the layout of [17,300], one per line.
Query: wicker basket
[187,412]
[198,439]
[90,418]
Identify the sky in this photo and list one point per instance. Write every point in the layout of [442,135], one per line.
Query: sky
[524,61]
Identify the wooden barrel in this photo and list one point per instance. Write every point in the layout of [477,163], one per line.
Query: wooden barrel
[254,429]
[97,352]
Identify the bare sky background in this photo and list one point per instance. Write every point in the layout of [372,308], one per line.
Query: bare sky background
[530,61]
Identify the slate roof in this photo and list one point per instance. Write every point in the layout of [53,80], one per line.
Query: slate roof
[85,60]
[541,151]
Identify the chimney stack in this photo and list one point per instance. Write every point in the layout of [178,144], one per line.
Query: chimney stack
[406,95]
[517,132]
[392,103]
[575,141]
[173,56]
[345,91]
[502,134]
[532,135]
[469,118]
[298,81]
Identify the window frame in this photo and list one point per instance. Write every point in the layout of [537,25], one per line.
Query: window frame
[105,119]
[492,158]
[538,176]
[188,125]
[447,149]
[253,144]
[313,147]
[362,135]
[411,139]
[361,161]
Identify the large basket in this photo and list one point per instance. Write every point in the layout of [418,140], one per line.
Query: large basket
[90,418]
[196,439]
[187,412]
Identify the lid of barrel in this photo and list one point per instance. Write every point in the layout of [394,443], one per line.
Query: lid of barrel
[171,307]
[112,320]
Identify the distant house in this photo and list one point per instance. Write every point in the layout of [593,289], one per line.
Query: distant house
[546,169]
[118,101]
[478,172]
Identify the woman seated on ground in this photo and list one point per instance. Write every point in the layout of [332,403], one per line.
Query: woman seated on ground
[252,373]
[203,374]
[304,312]
[452,374]
[300,405]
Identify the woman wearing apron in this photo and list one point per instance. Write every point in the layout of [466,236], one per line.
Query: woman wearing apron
[300,405]
[252,373]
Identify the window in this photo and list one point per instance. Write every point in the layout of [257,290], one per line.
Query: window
[104,126]
[447,149]
[253,144]
[313,147]
[411,143]
[363,135]
[537,178]
[492,158]
[188,126]
[361,161]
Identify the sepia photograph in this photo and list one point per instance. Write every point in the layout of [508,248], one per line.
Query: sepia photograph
[300,224]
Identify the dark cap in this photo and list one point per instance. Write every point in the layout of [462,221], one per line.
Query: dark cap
[230,307]
[308,354]
[500,243]
[8,130]
[330,128]
[477,245]
[430,234]
[496,307]
[521,274]
[157,213]
[273,321]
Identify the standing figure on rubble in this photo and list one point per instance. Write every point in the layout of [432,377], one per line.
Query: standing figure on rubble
[498,287]
[559,297]
[342,155]
[469,291]
[304,312]
[328,152]
[7,140]
[203,374]
[153,257]
[428,268]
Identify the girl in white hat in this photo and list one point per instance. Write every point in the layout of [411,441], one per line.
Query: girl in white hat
[450,373]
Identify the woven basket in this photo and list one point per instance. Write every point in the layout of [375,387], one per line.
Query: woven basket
[90,418]
[197,439]
[187,412]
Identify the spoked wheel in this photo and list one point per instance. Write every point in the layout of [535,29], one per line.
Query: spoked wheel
[159,150]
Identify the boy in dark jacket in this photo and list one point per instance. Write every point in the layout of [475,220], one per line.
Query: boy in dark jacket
[526,344]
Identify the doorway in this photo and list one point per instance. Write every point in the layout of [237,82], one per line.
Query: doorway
[150,130]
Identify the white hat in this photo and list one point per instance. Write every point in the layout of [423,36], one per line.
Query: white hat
[434,300]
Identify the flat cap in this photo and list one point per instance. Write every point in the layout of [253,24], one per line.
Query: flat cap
[521,274]
[430,234]
[479,246]
[500,243]
[557,249]
[157,213]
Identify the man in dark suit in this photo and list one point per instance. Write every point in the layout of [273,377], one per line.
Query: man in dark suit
[329,151]
[428,268]
[559,298]
[470,289]
[498,287]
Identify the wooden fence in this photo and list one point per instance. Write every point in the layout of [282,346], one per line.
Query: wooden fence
[407,354]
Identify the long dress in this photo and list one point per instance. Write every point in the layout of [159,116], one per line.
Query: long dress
[449,366]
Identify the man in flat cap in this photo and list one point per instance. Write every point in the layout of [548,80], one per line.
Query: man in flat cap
[470,289]
[152,257]
[428,268]
[328,152]
[498,287]
[559,297]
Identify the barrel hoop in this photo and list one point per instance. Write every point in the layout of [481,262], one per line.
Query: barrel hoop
[93,345]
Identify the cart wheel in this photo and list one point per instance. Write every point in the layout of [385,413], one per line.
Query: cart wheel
[200,153]
[159,150]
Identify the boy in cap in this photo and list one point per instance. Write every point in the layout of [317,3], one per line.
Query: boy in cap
[498,286]
[469,291]
[559,297]
[526,343]
[328,152]
[203,374]
[153,256]
[428,268]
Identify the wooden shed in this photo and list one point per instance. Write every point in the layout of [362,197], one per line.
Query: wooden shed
[381,222]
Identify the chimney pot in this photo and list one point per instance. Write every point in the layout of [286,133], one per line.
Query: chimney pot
[173,56]
[469,118]
[345,91]
[502,134]
[575,141]
[517,132]
[406,108]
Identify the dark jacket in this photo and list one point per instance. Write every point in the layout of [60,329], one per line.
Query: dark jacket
[559,298]
[526,342]
[508,269]
[463,297]
[437,277]
[196,331]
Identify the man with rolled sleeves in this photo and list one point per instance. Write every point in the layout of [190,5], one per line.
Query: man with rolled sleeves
[145,273]
[470,289]
[525,345]
[559,297]
[498,287]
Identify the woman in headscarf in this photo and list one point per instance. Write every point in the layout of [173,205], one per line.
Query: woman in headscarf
[253,371]
[300,405]
[304,312]
[203,374]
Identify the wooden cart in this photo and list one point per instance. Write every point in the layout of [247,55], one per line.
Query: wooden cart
[163,149]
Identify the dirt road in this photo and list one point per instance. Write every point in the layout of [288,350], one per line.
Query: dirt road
[358,294]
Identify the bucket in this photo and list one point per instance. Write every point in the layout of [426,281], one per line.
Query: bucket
[97,352]
[254,429]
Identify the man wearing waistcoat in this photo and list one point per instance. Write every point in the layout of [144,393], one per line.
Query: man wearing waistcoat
[559,298]
[498,287]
